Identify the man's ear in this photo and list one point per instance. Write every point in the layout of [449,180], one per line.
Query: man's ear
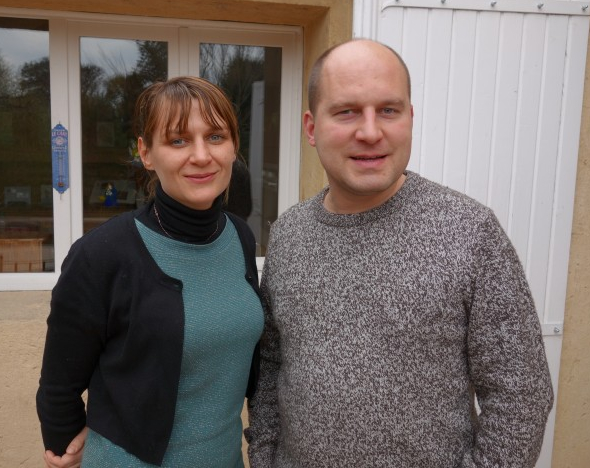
[142,149]
[309,127]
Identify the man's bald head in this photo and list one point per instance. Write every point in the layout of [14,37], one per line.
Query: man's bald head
[314,85]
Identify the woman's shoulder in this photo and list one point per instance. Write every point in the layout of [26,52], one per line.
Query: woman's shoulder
[114,235]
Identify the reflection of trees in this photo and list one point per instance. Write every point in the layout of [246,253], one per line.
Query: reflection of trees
[235,68]
[110,95]
[34,79]
[123,90]
[107,97]
[24,125]
[26,101]
[91,77]
[153,61]
[7,80]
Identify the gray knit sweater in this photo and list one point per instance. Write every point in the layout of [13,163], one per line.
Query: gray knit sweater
[379,328]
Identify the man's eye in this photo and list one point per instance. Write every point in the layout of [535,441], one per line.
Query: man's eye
[177,142]
[345,112]
[389,110]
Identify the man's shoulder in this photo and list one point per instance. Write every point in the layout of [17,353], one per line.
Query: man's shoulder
[300,212]
[445,199]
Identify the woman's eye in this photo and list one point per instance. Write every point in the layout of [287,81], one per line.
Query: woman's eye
[177,142]
[216,137]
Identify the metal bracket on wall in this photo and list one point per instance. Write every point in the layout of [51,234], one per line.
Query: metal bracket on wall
[552,329]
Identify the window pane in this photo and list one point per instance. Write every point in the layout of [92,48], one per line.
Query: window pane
[251,76]
[113,73]
[26,196]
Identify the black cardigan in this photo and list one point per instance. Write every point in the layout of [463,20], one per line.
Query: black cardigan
[116,327]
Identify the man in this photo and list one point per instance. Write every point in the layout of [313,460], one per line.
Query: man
[390,301]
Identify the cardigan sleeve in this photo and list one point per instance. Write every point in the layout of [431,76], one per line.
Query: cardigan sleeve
[506,357]
[75,337]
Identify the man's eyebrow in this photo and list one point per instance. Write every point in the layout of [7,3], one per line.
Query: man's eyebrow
[394,102]
[342,105]
[353,104]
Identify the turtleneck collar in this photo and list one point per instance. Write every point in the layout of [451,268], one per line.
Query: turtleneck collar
[173,219]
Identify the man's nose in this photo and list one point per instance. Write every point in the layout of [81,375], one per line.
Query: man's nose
[369,130]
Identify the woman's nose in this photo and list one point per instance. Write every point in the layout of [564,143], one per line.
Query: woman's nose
[199,153]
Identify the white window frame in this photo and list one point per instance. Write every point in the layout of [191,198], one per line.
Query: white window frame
[184,37]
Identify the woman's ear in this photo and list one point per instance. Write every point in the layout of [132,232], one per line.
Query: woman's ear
[143,151]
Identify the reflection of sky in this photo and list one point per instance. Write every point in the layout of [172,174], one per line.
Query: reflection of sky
[18,46]
[114,56]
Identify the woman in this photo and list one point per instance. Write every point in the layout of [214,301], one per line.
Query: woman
[157,312]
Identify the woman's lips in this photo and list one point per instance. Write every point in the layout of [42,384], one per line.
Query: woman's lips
[201,178]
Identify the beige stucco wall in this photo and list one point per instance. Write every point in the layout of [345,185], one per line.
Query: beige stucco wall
[325,22]
[572,426]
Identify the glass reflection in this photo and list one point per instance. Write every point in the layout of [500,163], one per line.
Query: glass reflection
[251,77]
[113,73]
[26,195]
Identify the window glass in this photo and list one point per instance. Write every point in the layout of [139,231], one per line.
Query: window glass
[26,194]
[251,77]
[113,72]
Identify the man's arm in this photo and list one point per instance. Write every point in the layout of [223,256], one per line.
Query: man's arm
[263,433]
[507,361]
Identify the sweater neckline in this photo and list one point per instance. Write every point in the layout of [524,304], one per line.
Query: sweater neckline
[356,219]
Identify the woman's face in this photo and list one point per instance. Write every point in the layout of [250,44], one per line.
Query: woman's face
[194,167]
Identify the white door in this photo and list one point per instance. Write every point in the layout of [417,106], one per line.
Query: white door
[497,93]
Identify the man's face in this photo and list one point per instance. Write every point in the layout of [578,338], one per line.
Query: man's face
[362,127]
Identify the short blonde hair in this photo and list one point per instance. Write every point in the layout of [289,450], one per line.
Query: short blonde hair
[315,76]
